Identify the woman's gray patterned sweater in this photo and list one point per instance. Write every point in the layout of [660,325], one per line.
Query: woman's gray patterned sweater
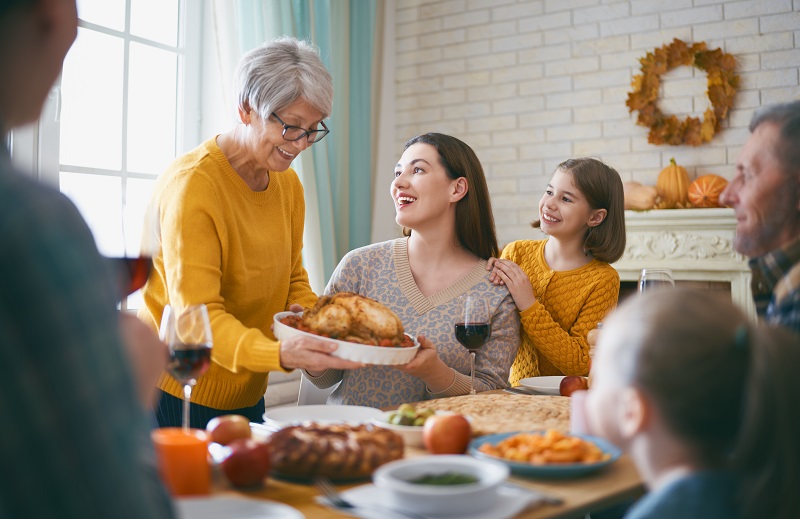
[381,271]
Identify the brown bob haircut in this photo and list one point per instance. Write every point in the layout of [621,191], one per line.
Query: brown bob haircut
[474,220]
[602,187]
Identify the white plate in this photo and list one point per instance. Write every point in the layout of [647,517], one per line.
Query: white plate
[280,417]
[233,508]
[544,385]
[365,353]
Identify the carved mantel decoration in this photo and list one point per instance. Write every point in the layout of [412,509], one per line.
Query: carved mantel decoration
[671,245]
[697,244]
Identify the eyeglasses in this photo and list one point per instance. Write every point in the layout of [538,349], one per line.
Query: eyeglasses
[295,133]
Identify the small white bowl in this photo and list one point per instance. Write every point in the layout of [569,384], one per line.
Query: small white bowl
[453,500]
[412,434]
[380,355]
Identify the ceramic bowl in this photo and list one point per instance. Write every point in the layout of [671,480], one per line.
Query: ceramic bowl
[365,353]
[456,500]
[412,434]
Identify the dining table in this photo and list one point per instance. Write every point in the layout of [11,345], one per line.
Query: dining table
[614,484]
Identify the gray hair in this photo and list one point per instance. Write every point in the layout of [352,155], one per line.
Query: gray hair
[786,116]
[278,73]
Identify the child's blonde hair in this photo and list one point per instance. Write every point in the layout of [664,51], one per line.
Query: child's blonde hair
[724,386]
[602,187]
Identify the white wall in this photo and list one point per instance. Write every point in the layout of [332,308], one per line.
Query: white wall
[530,83]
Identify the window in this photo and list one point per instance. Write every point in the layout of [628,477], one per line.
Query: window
[118,116]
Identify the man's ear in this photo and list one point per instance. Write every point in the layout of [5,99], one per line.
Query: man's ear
[460,188]
[597,217]
[634,412]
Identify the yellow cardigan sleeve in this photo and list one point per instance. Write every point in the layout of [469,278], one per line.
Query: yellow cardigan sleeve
[566,347]
[192,233]
[581,301]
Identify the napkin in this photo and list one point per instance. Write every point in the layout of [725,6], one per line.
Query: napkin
[510,502]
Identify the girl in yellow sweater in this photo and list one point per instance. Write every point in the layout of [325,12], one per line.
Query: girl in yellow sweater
[563,286]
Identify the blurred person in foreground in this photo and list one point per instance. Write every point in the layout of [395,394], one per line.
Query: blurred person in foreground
[765,194]
[231,216]
[76,375]
[704,402]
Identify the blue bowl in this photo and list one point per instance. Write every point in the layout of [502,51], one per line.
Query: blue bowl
[555,470]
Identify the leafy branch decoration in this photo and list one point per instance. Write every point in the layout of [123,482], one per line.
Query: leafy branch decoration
[668,129]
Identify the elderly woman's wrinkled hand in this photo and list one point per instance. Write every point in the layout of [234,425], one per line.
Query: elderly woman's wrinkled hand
[313,355]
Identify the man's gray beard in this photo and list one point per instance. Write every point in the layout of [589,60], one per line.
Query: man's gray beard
[782,219]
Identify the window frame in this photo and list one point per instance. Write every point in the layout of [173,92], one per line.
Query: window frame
[35,147]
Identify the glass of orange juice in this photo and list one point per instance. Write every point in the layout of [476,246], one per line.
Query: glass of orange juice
[182,457]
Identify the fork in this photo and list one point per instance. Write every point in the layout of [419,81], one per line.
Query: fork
[336,500]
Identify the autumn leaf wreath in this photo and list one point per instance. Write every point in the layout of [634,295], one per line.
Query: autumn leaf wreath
[667,129]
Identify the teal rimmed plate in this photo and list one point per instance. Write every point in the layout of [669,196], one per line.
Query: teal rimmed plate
[554,470]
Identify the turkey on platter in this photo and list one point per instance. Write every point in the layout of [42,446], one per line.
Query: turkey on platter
[355,318]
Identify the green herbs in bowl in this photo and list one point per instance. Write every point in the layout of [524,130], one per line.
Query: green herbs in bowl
[445,478]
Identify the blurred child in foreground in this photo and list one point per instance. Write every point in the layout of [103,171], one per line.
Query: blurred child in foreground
[704,402]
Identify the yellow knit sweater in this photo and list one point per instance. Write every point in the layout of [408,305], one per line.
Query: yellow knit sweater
[568,305]
[239,252]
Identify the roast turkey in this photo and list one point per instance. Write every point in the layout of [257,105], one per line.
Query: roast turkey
[354,318]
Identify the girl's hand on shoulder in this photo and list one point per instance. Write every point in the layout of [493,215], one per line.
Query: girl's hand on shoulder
[511,275]
[493,277]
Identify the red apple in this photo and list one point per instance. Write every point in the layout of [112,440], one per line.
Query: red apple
[248,463]
[446,434]
[225,429]
[572,383]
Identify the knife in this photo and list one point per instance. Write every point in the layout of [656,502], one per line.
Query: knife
[519,390]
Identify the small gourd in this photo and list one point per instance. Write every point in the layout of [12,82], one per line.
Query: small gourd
[705,190]
[639,197]
[673,186]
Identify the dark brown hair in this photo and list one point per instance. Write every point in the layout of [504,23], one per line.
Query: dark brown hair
[602,187]
[726,387]
[474,220]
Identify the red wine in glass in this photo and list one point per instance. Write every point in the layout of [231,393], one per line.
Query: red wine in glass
[472,336]
[473,330]
[187,332]
[132,273]
[189,361]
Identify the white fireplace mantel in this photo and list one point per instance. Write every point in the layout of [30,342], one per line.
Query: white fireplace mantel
[697,244]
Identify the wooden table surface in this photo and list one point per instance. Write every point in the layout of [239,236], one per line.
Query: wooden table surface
[613,484]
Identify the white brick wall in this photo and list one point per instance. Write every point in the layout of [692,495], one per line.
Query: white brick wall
[529,83]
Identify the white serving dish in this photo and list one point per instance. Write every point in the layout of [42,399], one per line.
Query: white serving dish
[232,507]
[544,385]
[412,434]
[280,417]
[455,500]
[381,355]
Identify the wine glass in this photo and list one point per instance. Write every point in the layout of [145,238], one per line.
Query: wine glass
[655,278]
[187,332]
[474,330]
[140,243]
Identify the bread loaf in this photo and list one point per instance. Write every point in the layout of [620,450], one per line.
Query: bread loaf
[337,451]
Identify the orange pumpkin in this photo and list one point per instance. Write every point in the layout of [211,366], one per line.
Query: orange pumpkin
[705,190]
[673,186]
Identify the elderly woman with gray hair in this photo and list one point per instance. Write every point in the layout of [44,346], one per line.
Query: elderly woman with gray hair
[231,217]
